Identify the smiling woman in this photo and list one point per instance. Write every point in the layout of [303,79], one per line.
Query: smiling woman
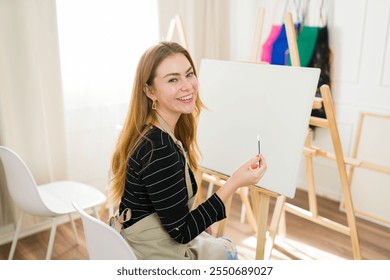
[155,159]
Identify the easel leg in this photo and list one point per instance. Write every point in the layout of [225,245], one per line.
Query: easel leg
[310,176]
[261,204]
[328,103]
[277,215]
[248,208]
[282,225]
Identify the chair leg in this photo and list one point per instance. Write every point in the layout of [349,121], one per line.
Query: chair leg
[16,236]
[51,240]
[76,237]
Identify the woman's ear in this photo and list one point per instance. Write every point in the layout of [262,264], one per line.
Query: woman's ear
[148,91]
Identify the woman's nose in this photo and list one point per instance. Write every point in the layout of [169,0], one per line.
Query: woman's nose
[186,85]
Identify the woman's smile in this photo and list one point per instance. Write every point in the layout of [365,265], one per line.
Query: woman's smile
[187,98]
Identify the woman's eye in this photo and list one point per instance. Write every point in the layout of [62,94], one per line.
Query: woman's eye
[190,74]
[172,80]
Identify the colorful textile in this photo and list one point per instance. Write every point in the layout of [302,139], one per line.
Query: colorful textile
[267,46]
[321,58]
[280,47]
[306,41]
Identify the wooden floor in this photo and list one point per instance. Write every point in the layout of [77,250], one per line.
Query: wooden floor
[304,239]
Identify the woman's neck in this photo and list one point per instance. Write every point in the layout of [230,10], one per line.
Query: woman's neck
[171,121]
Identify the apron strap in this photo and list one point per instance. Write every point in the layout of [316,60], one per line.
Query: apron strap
[165,126]
[117,220]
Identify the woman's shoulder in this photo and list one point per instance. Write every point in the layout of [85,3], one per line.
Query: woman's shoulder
[156,144]
[159,137]
[155,139]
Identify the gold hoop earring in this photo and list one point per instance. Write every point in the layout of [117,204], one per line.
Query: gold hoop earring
[154,105]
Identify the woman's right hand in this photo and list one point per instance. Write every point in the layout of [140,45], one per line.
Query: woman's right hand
[250,172]
[247,174]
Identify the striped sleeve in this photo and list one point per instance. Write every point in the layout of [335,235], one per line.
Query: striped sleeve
[164,179]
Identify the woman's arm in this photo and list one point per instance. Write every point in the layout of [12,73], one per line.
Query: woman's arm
[164,180]
[248,174]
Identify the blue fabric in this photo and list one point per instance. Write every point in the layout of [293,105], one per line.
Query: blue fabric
[231,250]
[280,47]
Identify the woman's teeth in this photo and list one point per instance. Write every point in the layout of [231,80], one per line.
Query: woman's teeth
[185,98]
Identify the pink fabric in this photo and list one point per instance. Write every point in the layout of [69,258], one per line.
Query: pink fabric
[267,46]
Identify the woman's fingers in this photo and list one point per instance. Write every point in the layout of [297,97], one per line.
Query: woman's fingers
[257,162]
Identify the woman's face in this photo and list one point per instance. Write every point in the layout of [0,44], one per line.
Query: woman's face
[175,87]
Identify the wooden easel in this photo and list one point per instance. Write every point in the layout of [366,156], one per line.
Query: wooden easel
[360,163]
[309,153]
[177,24]
[363,163]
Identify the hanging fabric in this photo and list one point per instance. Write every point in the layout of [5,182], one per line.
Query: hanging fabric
[322,59]
[267,46]
[313,47]
[279,54]
[306,41]
[280,47]
[277,21]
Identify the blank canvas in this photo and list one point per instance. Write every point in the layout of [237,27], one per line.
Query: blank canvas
[245,100]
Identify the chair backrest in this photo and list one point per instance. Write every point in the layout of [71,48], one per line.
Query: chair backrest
[21,184]
[103,242]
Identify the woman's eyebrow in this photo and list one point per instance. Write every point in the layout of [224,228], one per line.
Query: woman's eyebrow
[178,74]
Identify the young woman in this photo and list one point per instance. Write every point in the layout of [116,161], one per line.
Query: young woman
[155,159]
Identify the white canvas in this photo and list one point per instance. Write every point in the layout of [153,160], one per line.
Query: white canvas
[245,100]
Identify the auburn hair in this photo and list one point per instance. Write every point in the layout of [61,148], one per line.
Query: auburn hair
[140,114]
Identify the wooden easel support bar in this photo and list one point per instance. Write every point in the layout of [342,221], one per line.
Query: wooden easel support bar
[375,167]
[317,104]
[317,219]
[355,162]
[314,151]
[319,122]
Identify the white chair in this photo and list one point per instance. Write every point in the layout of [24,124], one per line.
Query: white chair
[103,242]
[50,200]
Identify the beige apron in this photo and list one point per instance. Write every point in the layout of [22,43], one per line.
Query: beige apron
[150,240]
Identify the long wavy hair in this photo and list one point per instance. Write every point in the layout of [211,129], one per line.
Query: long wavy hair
[141,114]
